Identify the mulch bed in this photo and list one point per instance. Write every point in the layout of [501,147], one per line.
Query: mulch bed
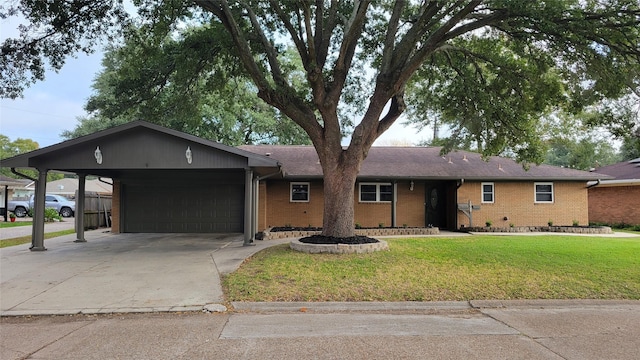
[330,240]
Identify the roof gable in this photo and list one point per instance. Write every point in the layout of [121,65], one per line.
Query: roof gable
[420,163]
[138,145]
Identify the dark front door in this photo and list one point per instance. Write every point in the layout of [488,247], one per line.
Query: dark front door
[435,203]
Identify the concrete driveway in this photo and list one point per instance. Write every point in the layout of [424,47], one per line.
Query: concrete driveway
[117,273]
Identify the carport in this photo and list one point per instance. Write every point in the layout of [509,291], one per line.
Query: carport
[164,181]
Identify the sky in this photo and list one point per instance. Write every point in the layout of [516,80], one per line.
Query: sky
[52,106]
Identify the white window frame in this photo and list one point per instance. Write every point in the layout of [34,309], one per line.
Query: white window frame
[536,192]
[377,185]
[493,192]
[292,184]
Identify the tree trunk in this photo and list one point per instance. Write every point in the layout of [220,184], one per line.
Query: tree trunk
[339,189]
[338,218]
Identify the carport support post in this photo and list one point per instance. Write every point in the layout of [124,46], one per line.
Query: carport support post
[254,206]
[37,238]
[80,209]
[248,211]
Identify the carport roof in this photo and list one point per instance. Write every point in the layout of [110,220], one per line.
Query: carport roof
[140,145]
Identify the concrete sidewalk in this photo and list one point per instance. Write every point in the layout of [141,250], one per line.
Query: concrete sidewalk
[457,330]
[18,231]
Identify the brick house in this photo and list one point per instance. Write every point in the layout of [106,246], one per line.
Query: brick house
[417,187]
[166,181]
[616,201]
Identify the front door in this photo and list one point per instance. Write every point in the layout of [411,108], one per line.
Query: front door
[435,203]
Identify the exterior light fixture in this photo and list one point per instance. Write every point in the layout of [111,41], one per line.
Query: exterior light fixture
[189,155]
[411,186]
[98,155]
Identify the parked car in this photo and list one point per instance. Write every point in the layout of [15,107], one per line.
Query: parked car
[19,208]
[63,206]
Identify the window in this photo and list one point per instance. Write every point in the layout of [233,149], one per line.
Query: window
[374,192]
[299,192]
[488,194]
[544,192]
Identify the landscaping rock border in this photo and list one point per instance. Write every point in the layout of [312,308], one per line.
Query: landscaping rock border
[338,248]
[554,229]
[268,235]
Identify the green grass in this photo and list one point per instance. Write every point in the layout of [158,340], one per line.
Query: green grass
[431,269]
[14,224]
[27,239]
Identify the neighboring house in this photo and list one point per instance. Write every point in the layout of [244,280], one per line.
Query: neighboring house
[616,201]
[417,187]
[9,188]
[166,181]
[16,189]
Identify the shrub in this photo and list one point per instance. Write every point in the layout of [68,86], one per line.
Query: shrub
[575,223]
[550,222]
[51,215]
[489,223]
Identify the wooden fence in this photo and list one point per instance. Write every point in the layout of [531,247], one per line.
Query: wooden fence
[97,210]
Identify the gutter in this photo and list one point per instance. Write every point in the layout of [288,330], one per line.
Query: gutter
[621,182]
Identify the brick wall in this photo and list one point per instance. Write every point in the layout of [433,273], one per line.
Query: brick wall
[615,204]
[515,201]
[115,207]
[277,210]
[410,206]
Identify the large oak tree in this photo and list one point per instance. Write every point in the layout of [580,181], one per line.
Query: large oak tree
[364,53]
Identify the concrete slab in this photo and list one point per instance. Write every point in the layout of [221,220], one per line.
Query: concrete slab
[107,274]
[588,331]
[243,326]
[200,336]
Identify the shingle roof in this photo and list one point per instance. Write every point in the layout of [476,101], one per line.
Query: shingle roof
[420,163]
[622,170]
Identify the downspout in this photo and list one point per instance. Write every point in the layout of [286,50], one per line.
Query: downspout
[103,181]
[594,185]
[13,170]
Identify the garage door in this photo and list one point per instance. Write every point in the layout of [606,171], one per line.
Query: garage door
[197,208]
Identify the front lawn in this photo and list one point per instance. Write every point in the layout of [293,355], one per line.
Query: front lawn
[431,269]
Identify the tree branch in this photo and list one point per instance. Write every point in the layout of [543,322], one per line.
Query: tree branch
[389,42]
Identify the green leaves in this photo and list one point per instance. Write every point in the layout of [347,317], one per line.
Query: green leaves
[491,87]
[54,30]
[189,82]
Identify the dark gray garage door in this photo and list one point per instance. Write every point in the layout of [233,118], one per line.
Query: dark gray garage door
[193,208]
